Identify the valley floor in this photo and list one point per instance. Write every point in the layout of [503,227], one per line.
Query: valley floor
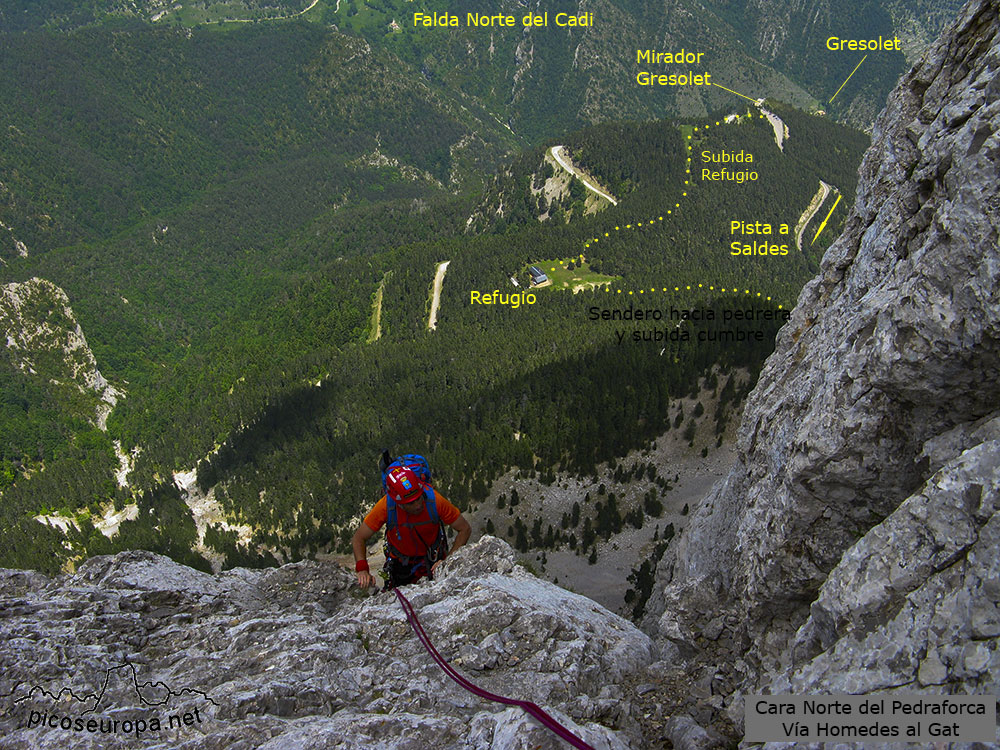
[607,581]
[690,475]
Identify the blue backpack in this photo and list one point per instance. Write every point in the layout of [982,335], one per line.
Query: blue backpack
[419,466]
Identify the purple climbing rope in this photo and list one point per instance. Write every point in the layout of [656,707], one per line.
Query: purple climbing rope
[528,706]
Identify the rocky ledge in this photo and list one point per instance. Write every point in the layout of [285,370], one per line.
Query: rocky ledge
[296,658]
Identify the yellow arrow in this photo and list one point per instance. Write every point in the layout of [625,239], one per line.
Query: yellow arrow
[735,92]
[848,78]
[827,218]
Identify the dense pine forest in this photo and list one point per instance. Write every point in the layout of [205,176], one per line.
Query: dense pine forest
[222,209]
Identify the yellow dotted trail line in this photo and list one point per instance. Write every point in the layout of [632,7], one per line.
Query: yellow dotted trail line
[689,287]
[655,221]
[687,181]
[608,286]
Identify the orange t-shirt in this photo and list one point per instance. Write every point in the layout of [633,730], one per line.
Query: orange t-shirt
[412,541]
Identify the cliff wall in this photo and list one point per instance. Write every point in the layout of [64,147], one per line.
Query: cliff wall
[854,545]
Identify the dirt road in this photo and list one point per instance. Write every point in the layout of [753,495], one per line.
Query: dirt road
[565,163]
[807,215]
[436,298]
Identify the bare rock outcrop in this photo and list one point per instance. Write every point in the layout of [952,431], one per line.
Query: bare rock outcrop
[44,339]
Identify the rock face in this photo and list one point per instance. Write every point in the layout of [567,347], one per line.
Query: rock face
[43,338]
[856,539]
[296,657]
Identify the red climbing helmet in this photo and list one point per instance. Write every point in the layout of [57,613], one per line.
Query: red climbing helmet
[402,485]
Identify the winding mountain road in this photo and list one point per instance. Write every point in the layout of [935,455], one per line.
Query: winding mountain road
[814,205]
[566,164]
[780,129]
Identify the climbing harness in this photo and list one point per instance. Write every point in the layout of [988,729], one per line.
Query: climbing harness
[407,568]
[533,709]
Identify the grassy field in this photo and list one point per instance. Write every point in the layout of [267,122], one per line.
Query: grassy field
[576,278]
[384,19]
[232,11]
[365,17]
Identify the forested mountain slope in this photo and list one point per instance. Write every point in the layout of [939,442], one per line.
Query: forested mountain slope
[219,230]
[792,38]
[543,80]
[237,327]
[221,204]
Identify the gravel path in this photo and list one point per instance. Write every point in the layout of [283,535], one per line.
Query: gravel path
[436,299]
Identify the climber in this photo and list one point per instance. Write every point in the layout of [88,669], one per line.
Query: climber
[415,542]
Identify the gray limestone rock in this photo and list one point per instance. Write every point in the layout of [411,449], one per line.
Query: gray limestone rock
[855,538]
[686,734]
[916,592]
[298,657]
